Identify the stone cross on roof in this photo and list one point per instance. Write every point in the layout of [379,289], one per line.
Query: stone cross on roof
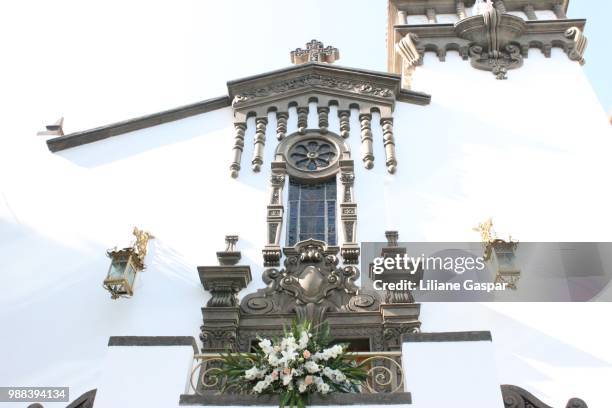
[315,52]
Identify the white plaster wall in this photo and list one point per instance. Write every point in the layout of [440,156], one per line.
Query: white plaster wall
[531,152]
[153,376]
[451,374]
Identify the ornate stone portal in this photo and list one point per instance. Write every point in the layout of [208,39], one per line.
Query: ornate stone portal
[312,285]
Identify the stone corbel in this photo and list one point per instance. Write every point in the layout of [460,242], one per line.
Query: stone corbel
[272,250]
[348,214]
[411,57]
[580,44]
[491,35]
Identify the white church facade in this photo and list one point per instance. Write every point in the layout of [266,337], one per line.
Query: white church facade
[484,112]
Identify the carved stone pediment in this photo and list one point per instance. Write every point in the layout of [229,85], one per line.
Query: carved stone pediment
[310,285]
[276,89]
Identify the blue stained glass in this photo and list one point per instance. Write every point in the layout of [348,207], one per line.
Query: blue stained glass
[312,209]
[312,225]
[331,191]
[312,193]
[312,212]
[294,191]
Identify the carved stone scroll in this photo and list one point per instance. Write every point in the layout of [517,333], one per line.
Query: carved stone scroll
[345,126]
[389,143]
[366,140]
[260,141]
[310,285]
[580,44]
[238,148]
[411,57]
[281,124]
[516,397]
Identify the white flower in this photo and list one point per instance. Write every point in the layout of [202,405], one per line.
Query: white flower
[253,373]
[274,360]
[287,379]
[260,386]
[311,367]
[340,377]
[266,346]
[288,344]
[302,387]
[303,342]
[288,357]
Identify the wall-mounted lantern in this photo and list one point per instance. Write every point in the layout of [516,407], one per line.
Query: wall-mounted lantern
[500,254]
[125,265]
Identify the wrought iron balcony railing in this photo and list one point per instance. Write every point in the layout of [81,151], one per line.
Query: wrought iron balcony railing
[385,373]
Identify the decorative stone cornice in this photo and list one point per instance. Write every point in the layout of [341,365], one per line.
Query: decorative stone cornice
[276,89]
[225,281]
[492,40]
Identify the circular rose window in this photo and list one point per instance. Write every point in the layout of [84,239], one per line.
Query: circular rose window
[312,154]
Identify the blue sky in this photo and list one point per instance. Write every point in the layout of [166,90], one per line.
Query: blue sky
[63,60]
[599,33]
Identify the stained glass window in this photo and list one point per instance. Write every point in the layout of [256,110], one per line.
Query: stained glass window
[312,212]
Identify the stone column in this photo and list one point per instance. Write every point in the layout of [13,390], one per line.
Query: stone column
[389,143]
[529,10]
[401,17]
[239,130]
[302,121]
[348,214]
[500,6]
[323,112]
[559,12]
[431,16]
[461,10]
[260,142]
[281,125]
[272,250]
[222,312]
[345,126]
[366,140]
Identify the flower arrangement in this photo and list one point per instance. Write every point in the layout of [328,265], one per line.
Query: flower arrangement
[294,366]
